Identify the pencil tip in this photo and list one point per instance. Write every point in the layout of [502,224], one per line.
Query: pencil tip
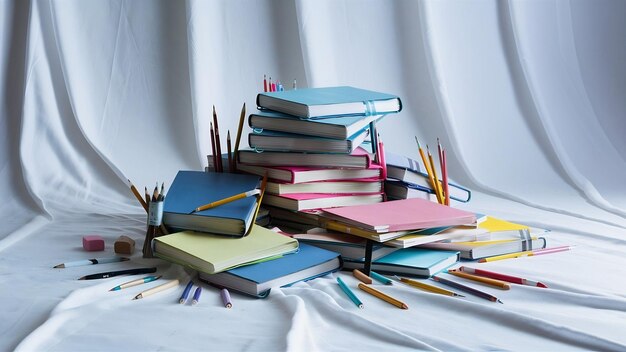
[60,266]
[360,306]
[82,278]
[499,301]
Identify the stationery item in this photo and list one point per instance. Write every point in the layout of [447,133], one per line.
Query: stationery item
[329,101]
[525,254]
[484,280]
[157,289]
[429,169]
[124,245]
[503,277]
[108,274]
[308,201]
[264,83]
[361,277]
[415,178]
[138,196]
[472,250]
[438,236]
[257,279]
[193,188]
[436,184]
[409,261]
[218,147]
[376,276]
[91,262]
[267,140]
[337,127]
[385,297]
[183,297]
[362,186]
[155,222]
[398,215]
[358,159]
[229,151]
[294,86]
[135,282]
[429,288]
[196,296]
[213,150]
[226,200]
[93,243]
[226,298]
[242,117]
[214,253]
[349,293]
[350,247]
[446,186]
[297,174]
[467,289]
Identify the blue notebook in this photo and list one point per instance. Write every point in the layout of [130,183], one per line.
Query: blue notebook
[338,127]
[257,279]
[282,141]
[192,189]
[411,262]
[329,101]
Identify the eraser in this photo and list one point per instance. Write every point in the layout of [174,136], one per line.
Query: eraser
[93,243]
[124,245]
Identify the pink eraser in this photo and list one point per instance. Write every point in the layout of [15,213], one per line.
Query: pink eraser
[93,243]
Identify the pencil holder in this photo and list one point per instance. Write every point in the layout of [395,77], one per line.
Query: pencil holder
[155,219]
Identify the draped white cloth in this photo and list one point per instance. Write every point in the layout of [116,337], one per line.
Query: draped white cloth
[527,96]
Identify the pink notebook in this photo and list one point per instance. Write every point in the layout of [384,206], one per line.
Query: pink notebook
[400,215]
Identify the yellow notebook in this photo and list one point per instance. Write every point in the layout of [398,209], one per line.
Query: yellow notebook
[214,253]
[492,224]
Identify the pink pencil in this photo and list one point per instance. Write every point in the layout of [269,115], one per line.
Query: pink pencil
[503,277]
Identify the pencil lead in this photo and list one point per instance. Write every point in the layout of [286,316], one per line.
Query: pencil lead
[60,266]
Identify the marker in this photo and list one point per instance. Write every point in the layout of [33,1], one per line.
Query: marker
[183,297]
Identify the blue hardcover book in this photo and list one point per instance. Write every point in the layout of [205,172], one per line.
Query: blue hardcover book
[411,262]
[282,141]
[192,189]
[329,101]
[415,180]
[257,279]
[338,127]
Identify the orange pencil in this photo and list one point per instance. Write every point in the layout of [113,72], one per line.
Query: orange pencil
[137,195]
[428,170]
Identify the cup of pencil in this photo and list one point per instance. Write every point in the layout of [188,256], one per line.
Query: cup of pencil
[155,220]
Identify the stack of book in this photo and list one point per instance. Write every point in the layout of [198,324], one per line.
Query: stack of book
[312,144]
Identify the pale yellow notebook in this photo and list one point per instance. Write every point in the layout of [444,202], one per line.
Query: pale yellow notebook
[214,253]
[492,224]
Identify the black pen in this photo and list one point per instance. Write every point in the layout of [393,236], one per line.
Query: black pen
[119,272]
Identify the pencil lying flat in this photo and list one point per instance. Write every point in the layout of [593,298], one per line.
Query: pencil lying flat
[91,262]
[503,277]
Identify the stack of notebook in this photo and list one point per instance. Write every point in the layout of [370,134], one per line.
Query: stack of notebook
[314,145]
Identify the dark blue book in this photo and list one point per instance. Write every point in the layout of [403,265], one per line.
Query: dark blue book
[192,189]
[257,279]
[329,101]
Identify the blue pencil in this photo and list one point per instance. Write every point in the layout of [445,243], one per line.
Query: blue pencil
[136,282]
[349,293]
[185,294]
[380,278]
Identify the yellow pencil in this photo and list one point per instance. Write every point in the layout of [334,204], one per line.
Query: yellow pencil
[438,189]
[429,288]
[374,292]
[485,280]
[217,203]
[138,196]
[428,170]
[525,254]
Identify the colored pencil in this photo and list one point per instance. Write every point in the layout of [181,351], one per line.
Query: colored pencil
[264,83]
[91,262]
[380,278]
[138,196]
[435,177]
[503,277]
[361,276]
[429,288]
[525,254]
[185,294]
[229,151]
[242,118]
[385,297]
[485,280]
[444,177]
[349,293]
[217,203]
[218,146]
[135,282]
[213,153]
[226,298]
[428,170]
[157,289]
[467,289]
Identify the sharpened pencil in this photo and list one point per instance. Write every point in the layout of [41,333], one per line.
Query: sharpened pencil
[138,196]
[242,118]
[157,289]
[385,297]
[218,147]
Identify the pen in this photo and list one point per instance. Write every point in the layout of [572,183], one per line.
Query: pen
[217,203]
[349,293]
[119,272]
[428,288]
[525,254]
[196,296]
[374,292]
[380,278]
[183,297]
[503,277]
[136,282]
[467,289]
[157,289]
[91,262]
[226,298]
[485,280]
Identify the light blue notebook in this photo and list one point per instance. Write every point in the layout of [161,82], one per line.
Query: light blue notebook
[192,189]
[411,261]
[338,127]
[282,141]
[257,279]
[327,101]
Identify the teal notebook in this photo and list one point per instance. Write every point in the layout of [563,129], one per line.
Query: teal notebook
[410,261]
[338,127]
[282,141]
[192,189]
[329,101]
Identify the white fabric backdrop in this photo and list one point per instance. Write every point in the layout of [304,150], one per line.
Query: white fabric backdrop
[527,96]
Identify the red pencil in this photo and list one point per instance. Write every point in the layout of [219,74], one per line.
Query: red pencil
[503,277]
[264,83]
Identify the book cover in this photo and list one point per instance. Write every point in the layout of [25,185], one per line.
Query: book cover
[329,101]
[303,174]
[307,263]
[212,253]
[438,234]
[359,186]
[410,261]
[268,140]
[349,246]
[398,215]
[359,159]
[338,127]
[191,189]
[308,201]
